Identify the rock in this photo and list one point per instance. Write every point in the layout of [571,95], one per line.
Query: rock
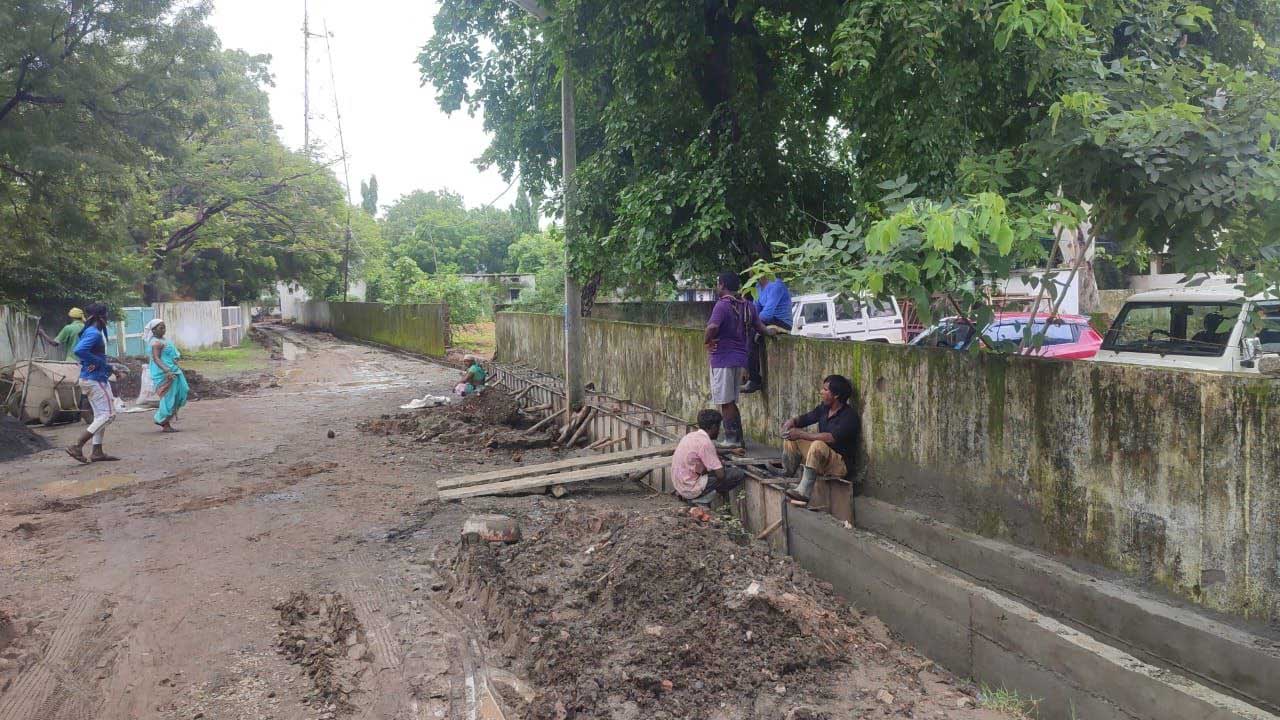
[667,685]
[559,491]
[885,697]
[964,702]
[357,652]
[780,689]
[654,630]
[490,528]
[331,434]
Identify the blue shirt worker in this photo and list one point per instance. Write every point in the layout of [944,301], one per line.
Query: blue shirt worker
[773,302]
[95,383]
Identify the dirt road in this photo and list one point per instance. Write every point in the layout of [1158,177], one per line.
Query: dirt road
[253,567]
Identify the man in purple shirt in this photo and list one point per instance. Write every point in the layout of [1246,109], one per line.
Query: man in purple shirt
[727,338]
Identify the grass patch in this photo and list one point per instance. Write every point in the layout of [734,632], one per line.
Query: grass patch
[1007,701]
[248,356]
[479,338]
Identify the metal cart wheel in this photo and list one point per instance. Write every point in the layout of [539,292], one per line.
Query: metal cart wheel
[48,413]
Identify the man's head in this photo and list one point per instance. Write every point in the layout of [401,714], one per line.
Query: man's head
[836,388]
[76,314]
[764,281]
[95,312]
[710,420]
[728,283]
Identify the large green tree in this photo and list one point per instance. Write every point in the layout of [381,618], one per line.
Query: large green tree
[922,147]
[436,229]
[88,92]
[704,128]
[135,153]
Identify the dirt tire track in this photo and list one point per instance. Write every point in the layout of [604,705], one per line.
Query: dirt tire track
[52,689]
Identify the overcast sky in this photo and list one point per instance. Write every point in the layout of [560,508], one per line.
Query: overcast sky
[393,127]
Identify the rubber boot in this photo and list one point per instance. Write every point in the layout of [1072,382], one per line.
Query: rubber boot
[805,488]
[791,463]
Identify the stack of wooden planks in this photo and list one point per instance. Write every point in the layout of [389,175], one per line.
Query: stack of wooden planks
[562,472]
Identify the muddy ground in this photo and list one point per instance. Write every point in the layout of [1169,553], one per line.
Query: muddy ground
[274,560]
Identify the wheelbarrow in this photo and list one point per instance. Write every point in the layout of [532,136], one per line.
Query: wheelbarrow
[48,389]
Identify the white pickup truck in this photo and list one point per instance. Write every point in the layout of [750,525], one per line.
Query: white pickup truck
[1201,328]
[845,317]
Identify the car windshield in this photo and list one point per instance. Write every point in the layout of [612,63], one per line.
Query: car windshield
[1264,324]
[1008,334]
[955,335]
[1173,328]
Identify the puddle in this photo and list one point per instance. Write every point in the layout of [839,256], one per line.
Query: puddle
[81,488]
[291,350]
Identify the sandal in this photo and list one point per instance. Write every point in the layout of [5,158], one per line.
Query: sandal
[103,458]
[78,455]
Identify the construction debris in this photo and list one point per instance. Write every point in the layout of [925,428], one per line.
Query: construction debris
[324,637]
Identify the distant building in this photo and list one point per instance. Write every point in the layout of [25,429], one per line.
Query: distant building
[291,295]
[513,284]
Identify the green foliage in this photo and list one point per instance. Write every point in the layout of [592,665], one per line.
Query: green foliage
[703,128]
[922,248]
[137,155]
[725,133]
[469,302]
[543,255]
[369,195]
[436,229]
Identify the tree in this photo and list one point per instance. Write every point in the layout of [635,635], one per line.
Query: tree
[369,195]
[231,192]
[718,133]
[703,128]
[437,229]
[88,95]
[541,255]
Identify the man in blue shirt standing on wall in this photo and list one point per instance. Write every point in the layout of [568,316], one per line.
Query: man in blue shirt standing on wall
[773,302]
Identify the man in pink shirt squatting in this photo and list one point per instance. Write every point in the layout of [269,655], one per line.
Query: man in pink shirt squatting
[696,470]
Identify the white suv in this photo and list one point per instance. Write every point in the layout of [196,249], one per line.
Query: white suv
[845,317]
[1201,328]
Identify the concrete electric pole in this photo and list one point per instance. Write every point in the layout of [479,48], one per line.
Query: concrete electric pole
[572,291]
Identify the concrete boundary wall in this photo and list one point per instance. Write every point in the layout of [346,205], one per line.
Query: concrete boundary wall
[1172,477]
[1218,654]
[678,314]
[979,633]
[192,325]
[422,329]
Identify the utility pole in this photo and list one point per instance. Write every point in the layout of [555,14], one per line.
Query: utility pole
[346,171]
[574,393]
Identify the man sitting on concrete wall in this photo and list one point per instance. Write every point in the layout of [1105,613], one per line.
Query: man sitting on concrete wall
[696,469]
[831,450]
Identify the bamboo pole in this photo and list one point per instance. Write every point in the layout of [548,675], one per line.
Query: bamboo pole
[545,422]
[582,426]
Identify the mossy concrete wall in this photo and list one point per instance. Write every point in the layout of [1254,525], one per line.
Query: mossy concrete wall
[1172,477]
[422,329]
[679,314]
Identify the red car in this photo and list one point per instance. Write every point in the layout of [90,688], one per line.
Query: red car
[1066,337]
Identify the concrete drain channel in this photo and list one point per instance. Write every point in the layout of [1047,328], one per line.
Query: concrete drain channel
[1082,647]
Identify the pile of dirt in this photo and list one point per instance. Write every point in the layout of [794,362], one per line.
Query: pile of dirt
[324,637]
[641,615]
[17,440]
[488,420]
[202,388]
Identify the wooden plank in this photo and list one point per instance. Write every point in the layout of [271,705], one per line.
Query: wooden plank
[564,478]
[555,467]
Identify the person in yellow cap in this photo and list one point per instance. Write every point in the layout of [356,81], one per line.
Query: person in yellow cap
[69,335]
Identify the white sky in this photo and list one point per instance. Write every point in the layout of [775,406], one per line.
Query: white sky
[393,127]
